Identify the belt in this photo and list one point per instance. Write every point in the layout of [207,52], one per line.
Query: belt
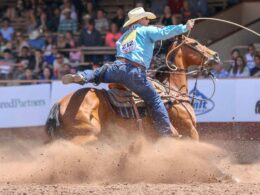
[124,60]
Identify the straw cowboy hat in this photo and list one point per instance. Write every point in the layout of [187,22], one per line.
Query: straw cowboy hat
[137,14]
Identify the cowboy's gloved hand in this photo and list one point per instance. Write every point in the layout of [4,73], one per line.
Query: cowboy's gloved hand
[190,24]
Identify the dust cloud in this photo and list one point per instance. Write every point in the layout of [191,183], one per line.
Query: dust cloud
[107,161]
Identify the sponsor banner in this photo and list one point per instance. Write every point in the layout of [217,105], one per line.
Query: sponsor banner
[233,101]
[23,106]
[248,101]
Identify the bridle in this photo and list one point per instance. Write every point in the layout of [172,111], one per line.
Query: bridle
[176,70]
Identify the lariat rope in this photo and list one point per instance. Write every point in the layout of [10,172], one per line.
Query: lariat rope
[197,71]
[206,18]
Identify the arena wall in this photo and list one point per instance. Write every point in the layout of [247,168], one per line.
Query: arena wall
[233,111]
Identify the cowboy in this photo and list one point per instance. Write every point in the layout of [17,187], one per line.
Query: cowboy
[134,54]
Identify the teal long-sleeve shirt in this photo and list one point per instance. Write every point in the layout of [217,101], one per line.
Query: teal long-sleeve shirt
[137,43]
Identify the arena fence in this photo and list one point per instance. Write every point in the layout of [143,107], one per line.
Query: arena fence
[235,100]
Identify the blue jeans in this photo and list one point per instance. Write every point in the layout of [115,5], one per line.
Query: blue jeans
[134,78]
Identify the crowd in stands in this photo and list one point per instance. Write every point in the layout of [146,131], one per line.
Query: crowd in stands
[240,65]
[55,31]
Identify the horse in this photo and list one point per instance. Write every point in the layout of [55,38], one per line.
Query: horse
[84,114]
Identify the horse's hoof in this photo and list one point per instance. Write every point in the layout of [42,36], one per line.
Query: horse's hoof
[226,178]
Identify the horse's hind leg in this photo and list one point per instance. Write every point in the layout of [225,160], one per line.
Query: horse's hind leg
[80,117]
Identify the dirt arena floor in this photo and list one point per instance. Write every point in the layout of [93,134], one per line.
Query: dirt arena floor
[128,165]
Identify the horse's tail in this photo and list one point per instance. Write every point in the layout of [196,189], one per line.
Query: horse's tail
[52,125]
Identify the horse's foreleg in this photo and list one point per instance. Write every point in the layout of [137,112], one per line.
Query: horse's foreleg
[183,119]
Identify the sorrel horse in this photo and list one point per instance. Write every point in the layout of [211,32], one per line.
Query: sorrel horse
[81,116]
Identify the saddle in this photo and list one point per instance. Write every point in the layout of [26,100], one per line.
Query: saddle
[123,101]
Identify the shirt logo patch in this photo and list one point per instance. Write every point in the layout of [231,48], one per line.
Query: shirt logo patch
[129,42]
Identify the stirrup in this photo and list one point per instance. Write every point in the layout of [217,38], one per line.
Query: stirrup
[73,78]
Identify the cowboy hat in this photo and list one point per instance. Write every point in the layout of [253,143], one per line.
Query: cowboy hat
[137,14]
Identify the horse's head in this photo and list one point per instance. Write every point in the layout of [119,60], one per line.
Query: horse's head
[185,52]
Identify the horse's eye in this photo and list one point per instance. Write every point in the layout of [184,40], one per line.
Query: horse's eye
[194,44]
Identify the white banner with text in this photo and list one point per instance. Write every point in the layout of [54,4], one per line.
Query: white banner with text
[233,101]
[23,106]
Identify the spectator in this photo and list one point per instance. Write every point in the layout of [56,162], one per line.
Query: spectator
[20,8]
[234,54]
[18,71]
[157,6]
[67,5]
[68,24]
[75,55]
[85,20]
[6,64]
[101,23]
[90,10]
[249,56]
[120,17]
[79,9]
[202,8]
[43,22]
[6,30]
[175,6]
[89,36]
[26,56]
[112,36]
[219,71]
[69,39]
[65,69]
[28,75]
[55,20]
[167,16]
[59,64]
[255,72]
[19,42]
[62,42]
[47,74]
[39,62]
[186,12]
[111,39]
[240,69]
[48,45]
[31,22]
[36,40]
[50,58]
[199,8]
[2,43]
[11,13]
